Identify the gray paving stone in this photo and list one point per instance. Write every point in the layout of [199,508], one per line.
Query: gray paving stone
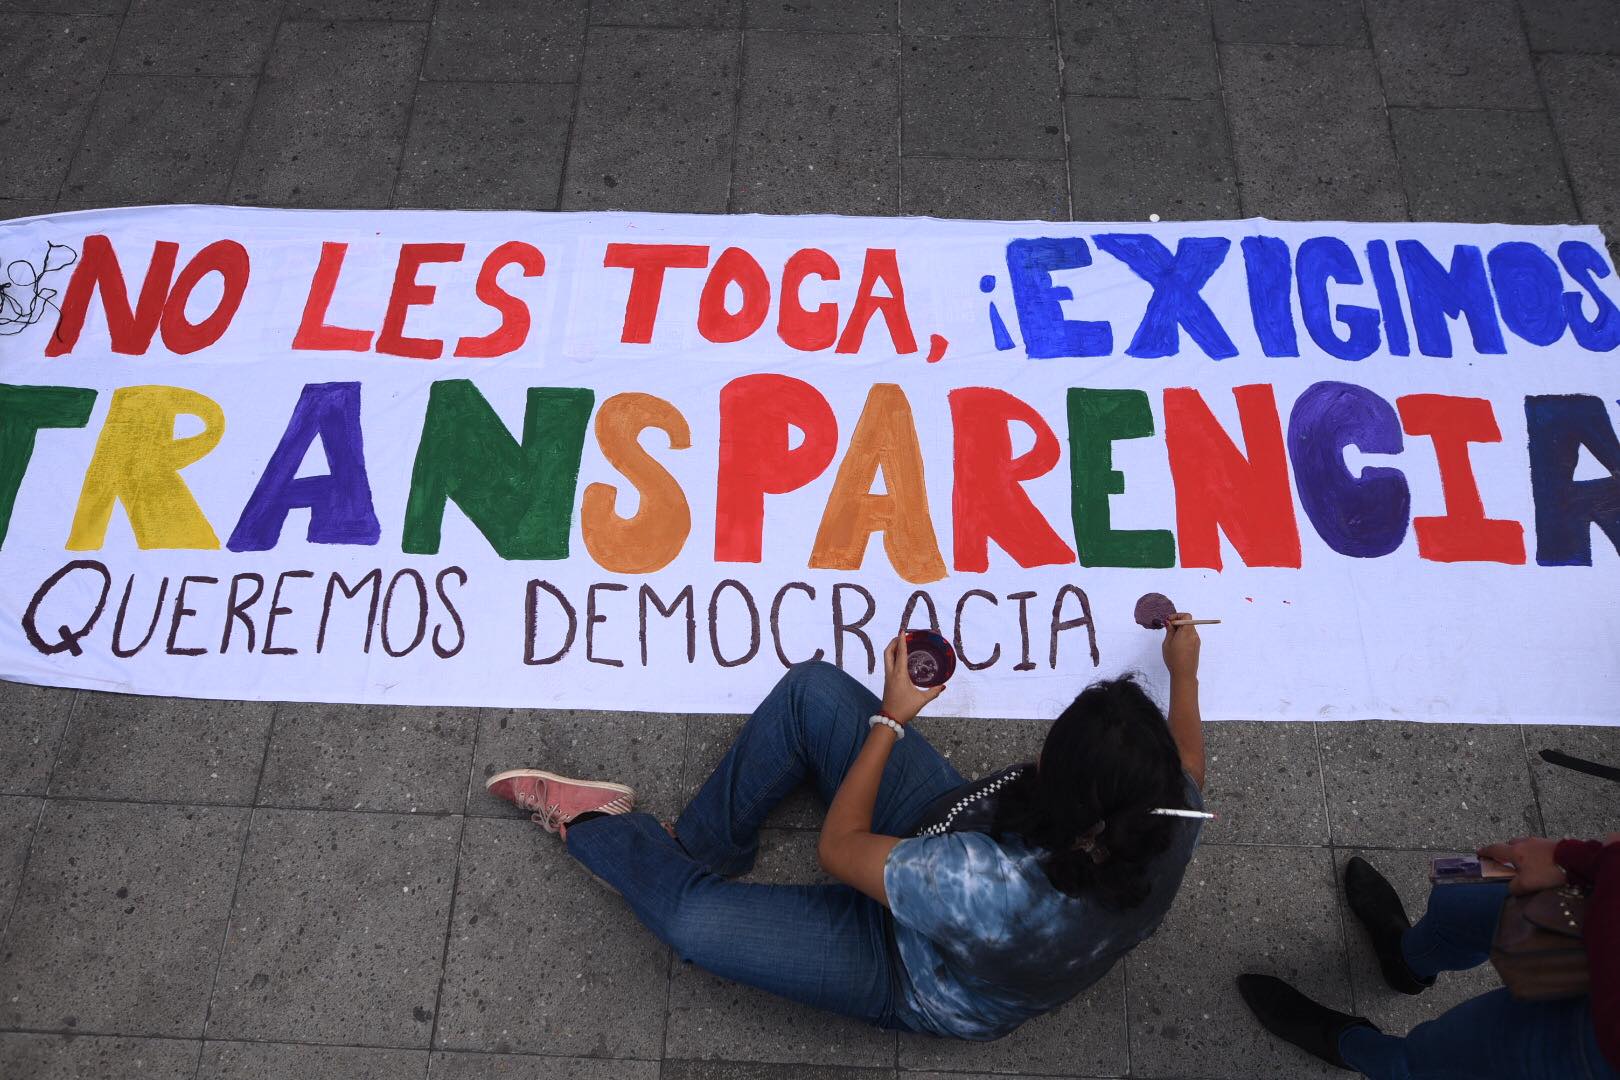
[160,139]
[1453,54]
[1481,165]
[1009,18]
[163,749]
[976,97]
[1131,157]
[711,1017]
[65,7]
[1583,93]
[654,123]
[486,146]
[195,37]
[92,1057]
[643,750]
[543,958]
[1572,25]
[1404,785]
[979,747]
[17,818]
[1310,135]
[31,723]
[1138,48]
[52,64]
[997,190]
[1284,22]
[1264,781]
[369,757]
[707,740]
[1574,804]
[283,1061]
[506,39]
[843,16]
[359,9]
[714,13]
[908,1075]
[331,117]
[118,923]
[757,1070]
[1264,909]
[817,127]
[20,208]
[1085,1037]
[1391,1010]
[338,929]
[454,1066]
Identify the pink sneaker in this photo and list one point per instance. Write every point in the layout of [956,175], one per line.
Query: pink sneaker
[555,801]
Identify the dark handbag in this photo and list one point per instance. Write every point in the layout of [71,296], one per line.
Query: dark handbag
[1540,951]
[968,808]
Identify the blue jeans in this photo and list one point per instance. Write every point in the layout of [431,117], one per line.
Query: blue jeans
[1486,1037]
[828,946]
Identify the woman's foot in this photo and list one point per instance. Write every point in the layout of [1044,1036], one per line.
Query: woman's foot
[1290,1015]
[555,801]
[1378,908]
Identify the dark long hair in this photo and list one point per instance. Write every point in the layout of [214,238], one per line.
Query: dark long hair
[1109,759]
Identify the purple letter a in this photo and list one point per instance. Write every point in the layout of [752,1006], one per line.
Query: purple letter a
[339,503]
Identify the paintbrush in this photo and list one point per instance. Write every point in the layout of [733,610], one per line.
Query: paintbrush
[1193,622]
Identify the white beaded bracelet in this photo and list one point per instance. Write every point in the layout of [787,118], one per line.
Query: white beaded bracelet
[899,731]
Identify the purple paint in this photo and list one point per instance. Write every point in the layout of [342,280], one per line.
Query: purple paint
[930,660]
[1361,515]
[339,503]
[1154,610]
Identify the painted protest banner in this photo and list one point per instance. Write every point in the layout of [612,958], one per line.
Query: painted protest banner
[635,461]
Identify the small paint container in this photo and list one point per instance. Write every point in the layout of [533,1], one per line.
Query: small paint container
[930,660]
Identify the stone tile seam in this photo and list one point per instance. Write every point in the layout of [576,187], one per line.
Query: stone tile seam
[1068,153]
[410,123]
[739,77]
[1389,123]
[22,874]
[82,1033]
[487,815]
[1519,110]
[252,113]
[1237,179]
[1558,144]
[455,882]
[90,110]
[236,879]
[460,80]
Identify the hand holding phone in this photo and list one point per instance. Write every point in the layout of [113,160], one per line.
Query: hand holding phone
[1467,870]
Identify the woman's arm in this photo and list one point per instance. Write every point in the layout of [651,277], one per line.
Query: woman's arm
[849,850]
[1181,647]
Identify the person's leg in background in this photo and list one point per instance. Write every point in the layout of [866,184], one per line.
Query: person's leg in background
[1490,1037]
[1456,930]
[811,725]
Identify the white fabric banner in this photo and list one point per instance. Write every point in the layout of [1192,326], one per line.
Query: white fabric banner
[641,461]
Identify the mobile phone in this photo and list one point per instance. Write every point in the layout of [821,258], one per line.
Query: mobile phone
[1467,870]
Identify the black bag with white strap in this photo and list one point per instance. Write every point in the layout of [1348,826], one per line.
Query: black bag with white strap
[969,808]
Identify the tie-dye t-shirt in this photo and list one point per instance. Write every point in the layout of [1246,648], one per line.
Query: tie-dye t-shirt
[988,943]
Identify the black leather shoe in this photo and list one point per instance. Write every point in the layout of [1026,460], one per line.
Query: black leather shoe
[1378,908]
[1290,1015]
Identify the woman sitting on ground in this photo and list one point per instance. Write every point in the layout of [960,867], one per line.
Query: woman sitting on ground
[1491,1036]
[964,909]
